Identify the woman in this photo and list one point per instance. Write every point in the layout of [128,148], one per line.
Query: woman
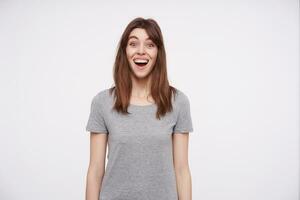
[144,122]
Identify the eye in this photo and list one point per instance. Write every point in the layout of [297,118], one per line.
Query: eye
[132,43]
[151,45]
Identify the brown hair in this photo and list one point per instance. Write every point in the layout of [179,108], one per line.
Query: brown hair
[161,91]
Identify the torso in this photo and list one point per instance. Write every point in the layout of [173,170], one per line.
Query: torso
[140,157]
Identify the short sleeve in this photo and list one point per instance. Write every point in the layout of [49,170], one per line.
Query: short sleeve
[96,121]
[184,120]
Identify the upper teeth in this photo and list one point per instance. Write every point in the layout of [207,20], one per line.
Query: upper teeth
[140,61]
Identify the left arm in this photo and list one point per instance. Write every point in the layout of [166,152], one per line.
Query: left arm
[181,166]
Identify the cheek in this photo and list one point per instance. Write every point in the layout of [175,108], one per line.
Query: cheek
[153,55]
[129,53]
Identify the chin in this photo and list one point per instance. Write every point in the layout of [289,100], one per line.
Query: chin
[141,75]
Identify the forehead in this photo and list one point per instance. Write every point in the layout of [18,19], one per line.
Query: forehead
[139,34]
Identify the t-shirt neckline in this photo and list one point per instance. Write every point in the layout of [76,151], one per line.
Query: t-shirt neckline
[142,106]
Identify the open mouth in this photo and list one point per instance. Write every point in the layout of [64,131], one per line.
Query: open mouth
[141,62]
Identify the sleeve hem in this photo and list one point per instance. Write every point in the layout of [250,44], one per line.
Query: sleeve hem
[97,131]
[183,131]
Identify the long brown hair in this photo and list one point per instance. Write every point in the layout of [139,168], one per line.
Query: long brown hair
[161,91]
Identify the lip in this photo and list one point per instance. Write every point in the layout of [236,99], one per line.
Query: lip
[144,58]
[141,67]
[141,58]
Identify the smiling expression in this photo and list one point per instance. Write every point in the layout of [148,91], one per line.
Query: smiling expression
[141,53]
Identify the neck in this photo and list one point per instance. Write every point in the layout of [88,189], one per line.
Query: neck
[141,87]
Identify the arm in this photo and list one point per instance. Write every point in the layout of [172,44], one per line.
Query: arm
[96,167]
[181,166]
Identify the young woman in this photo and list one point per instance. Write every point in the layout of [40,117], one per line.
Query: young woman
[144,122]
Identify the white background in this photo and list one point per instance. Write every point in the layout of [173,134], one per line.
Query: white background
[237,61]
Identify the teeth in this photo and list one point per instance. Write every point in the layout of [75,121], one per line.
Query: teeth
[140,61]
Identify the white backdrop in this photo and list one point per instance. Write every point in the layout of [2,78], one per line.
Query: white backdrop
[238,62]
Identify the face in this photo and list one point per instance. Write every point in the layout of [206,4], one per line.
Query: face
[141,53]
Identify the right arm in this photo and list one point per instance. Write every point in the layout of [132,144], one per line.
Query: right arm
[96,167]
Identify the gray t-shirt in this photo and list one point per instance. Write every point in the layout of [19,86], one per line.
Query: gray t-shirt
[140,158]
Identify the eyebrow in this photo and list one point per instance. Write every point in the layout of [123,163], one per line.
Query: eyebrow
[133,36]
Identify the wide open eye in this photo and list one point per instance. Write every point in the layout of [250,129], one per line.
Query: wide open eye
[132,44]
[151,45]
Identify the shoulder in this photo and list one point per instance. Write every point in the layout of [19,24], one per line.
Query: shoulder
[101,96]
[104,93]
[181,97]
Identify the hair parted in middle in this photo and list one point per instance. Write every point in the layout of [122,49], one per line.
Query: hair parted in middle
[161,91]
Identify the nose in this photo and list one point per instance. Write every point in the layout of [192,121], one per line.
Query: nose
[141,49]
